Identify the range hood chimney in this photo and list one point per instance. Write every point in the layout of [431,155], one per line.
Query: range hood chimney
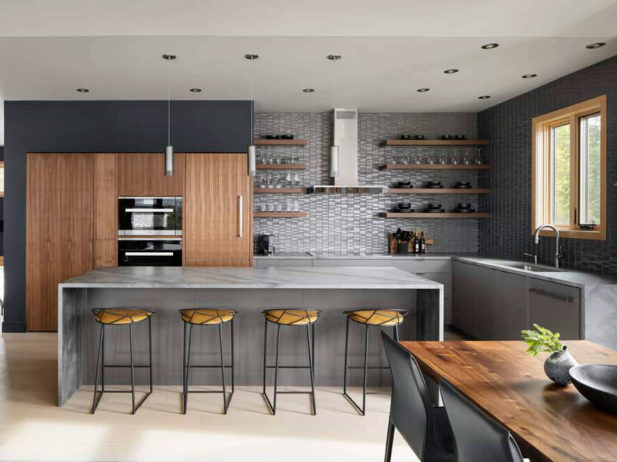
[346,139]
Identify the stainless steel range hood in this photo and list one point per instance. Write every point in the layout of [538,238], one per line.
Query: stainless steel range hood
[346,138]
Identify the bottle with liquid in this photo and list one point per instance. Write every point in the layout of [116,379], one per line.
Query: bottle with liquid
[422,243]
[416,243]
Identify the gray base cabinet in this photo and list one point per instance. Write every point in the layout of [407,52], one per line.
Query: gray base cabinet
[489,304]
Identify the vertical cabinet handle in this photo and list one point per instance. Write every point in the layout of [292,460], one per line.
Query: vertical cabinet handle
[240,217]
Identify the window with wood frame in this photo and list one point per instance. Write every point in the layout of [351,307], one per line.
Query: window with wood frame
[569,170]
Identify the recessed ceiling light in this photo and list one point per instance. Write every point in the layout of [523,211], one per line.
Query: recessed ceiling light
[334,57]
[195,90]
[308,90]
[169,57]
[490,46]
[423,90]
[251,56]
[484,97]
[450,71]
[529,76]
[83,90]
[593,46]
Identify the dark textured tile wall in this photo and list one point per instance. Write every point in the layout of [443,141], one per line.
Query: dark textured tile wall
[348,224]
[508,125]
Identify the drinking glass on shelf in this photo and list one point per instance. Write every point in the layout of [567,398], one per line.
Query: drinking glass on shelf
[466,158]
[296,206]
[295,160]
[296,179]
[418,158]
[443,158]
[479,159]
[278,207]
[288,179]
[430,158]
[456,157]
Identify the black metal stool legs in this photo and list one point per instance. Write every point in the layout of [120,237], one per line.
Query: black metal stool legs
[186,368]
[365,367]
[310,338]
[100,360]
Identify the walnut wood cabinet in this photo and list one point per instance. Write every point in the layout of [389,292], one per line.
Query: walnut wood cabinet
[144,175]
[59,231]
[105,210]
[218,211]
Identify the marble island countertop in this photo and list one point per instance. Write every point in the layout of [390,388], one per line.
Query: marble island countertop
[250,278]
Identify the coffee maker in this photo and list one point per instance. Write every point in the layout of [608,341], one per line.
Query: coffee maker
[266,244]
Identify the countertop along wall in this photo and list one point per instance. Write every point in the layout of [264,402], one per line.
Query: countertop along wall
[508,126]
[350,223]
[100,126]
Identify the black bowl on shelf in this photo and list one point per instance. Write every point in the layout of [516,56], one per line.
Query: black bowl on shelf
[403,205]
[404,184]
[419,137]
[433,206]
[457,210]
[406,137]
[463,184]
[287,137]
[597,383]
[465,205]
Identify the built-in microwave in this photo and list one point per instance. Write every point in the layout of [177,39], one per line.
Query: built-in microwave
[144,216]
[165,251]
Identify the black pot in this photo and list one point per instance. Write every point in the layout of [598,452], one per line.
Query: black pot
[402,249]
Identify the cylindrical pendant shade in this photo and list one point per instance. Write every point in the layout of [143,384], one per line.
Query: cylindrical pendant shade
[334,161]
[169,161]
[252,160]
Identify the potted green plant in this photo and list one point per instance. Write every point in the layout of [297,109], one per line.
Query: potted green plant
[557,366]
[402,239]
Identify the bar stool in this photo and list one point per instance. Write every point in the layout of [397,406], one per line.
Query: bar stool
[290,317]
[369,318]
[206,317]
[120,317]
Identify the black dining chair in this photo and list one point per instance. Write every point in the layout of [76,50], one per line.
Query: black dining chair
[477,436]
[425,427]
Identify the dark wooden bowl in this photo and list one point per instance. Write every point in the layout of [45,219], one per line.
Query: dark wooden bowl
[597,383]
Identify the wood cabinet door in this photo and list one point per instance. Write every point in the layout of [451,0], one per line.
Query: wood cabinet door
[218,211]
[59,230]
[144,175]
[105,210]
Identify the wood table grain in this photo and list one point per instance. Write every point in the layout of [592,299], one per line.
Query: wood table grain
[549,422]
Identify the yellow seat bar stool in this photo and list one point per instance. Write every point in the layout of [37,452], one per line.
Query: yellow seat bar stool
[120,317]
[369,318]
[206,317]
[293,318]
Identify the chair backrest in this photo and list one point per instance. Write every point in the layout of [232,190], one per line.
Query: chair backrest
[477,436]
[410,398]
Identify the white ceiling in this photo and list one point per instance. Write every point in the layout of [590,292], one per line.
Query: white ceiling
[390,49]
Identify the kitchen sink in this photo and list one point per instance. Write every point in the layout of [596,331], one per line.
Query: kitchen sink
[533,268]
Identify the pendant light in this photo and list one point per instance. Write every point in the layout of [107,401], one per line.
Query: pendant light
[252,167]
[169,149]
[334,151]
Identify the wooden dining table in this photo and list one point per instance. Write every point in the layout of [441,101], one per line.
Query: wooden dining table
[548,421]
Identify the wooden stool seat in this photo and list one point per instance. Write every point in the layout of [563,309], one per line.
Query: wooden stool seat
[118,316]
[209,316]
[381,317]
[291,317]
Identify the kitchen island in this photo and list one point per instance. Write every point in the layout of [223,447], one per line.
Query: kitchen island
[165,290]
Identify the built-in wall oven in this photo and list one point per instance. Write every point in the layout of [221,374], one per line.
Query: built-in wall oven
[160,251]
[147,216]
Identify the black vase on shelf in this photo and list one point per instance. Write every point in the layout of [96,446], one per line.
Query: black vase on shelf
[402,248]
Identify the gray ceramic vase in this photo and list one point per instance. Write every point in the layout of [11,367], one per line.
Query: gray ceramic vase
[557,366]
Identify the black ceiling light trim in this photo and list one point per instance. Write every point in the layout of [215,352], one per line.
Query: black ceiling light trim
[593,46]
[450,71]
[308,90]
[334,57]
[490,46]
[423,90]
[484,97]
[195,90]
[169,57]
[83,90]
[251,56]
[529,76]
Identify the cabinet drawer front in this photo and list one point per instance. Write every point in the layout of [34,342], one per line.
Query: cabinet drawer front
[549,290]
[419,266]
[556,307]
[292,262]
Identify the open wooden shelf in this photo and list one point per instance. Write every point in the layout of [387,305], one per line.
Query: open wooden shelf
[436,215]
[399,143]
[437,191]
[280,190]
[279,214]
[267,142]
[435,167]
[281,166]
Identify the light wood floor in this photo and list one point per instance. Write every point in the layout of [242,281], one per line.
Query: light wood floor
[32,427]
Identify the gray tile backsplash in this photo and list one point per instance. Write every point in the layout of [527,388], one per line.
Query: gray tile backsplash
[347,224]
